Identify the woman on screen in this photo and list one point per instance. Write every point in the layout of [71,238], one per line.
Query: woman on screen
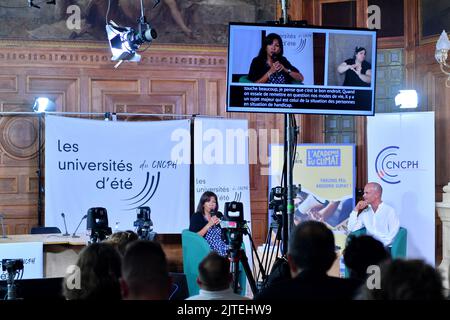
[357,70]
[270,66]
[207,225]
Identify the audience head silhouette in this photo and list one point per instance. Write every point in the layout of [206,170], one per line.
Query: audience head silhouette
[214,273]
[145,274]
[99,270]
[311,247]
[362,252]
[121,239]
[406,280]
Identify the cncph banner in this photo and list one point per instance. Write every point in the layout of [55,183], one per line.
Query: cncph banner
[30,252]
[400,157]
[119,166]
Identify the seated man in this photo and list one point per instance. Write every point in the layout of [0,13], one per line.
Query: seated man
[377,217]
[214,279]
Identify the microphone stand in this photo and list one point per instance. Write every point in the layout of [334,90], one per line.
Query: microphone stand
[65,226]
[74,233]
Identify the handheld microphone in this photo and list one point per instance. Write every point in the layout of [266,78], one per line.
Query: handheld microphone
[275,58]
[3,227]
[74,233]
[217,214]
[65,226]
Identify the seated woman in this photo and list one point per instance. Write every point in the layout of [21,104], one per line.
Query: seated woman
[208,226]
[270,66]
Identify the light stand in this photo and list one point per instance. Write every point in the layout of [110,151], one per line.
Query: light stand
[39,170]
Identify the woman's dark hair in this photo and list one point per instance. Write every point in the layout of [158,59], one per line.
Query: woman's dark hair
[268,40]
[205,198]
[358,50]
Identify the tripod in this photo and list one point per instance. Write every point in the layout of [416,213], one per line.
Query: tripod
[269,248]
[237,254]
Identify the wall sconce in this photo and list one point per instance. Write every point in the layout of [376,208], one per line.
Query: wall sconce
[442,48]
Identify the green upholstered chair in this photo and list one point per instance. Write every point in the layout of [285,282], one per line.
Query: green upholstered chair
[398,248]
[195,248]
[244,79]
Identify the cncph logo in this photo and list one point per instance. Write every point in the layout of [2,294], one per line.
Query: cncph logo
[388,165]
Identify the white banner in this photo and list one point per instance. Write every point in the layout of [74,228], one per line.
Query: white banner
[401,158]
[32,255]
[119,166]
[221,163]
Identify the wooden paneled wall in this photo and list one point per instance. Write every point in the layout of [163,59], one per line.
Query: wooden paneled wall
[80,78]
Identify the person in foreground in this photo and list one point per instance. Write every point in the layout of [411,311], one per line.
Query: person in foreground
[99,272]
[405,280]
[379,219]
[145,272]
[311,253]
[270,66]
[205,223]
[214,279]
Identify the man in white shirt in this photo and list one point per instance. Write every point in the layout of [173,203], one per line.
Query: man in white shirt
[214,279]
[377,217]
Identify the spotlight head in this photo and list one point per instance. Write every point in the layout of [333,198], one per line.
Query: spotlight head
[124,41]
[407,99]
[43,104]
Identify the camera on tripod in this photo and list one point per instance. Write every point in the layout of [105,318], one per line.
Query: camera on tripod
[235,225]
[12,265]
[277,202]
[97,223]
[144,224]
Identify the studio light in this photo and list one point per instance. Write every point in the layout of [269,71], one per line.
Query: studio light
[43,104]
[125,41]
[407,99]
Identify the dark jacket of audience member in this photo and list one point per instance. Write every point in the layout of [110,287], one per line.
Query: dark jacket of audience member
[214,279]
[98,271]
[145,273]
[362,252]
[311,253]
[405,280]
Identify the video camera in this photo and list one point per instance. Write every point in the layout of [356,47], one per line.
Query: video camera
[277,203]
[12,265]
[144,224]
[235,225]
[97,222]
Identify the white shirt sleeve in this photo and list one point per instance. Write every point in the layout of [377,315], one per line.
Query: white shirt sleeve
[354,222]
[393,225]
